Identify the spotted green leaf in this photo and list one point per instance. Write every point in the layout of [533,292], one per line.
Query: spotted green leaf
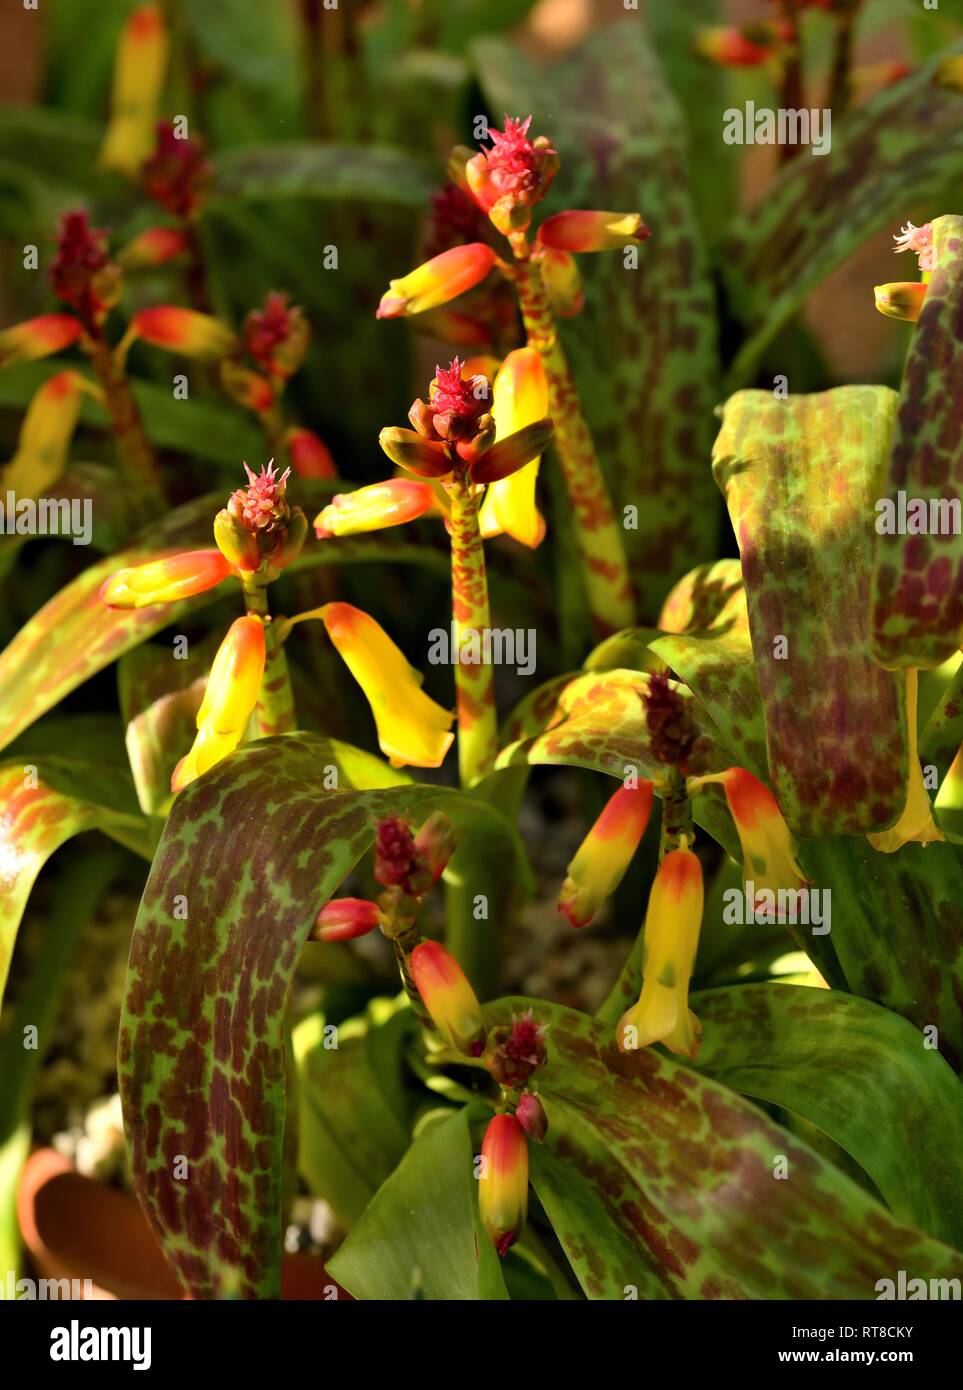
[681,1172]
[800,479]
[918,578]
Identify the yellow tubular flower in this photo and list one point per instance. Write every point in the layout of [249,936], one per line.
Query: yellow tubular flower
[39,337]
[139,73]
[183,331]
[229,700]
[448,997]
[45,435]
[672,922]
[503,1181]
[520,397]
[375,507]
[916,824]
[902,299]
[606,852]
[412,729]
[437,281]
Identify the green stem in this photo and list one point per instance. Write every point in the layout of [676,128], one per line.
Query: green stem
[133,447]
[474,682]
[598,535]
[275,702]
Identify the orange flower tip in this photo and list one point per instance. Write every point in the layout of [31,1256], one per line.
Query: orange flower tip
[38,337]
[343,919]
[507,456]
[530,1114]
[902,300]
[591,231]
[310,456]
[183,330]
[156,246]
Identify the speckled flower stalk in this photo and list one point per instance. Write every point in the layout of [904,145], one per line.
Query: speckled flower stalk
[474,682]
[597,533]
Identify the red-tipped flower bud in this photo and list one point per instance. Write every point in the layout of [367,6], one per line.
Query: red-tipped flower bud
[503,1181]
[448,997]
[342,919]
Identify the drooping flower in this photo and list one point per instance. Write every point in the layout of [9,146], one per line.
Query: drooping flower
[229,700]
[178,174]
[901,299]
[310,456]
[520,398]
[591,231]
[412,729]
[767,844]
[200,336]
[156,246]
[606,852]
[139,72]
[448,997]
[916,824]
[343,919]
[165,581]
[45,435]
[503,1182]
[672,922]
[920,240]
[375,507]
[39,337]
[437,281]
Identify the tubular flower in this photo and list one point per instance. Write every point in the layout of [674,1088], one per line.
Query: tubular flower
[310,456]
[562,280]
[672,922]
[45,435]
[229,700]
[412,729]
[604,855]
[901,299]
[342,919]
[183,330]
[165,581]
[39,337]
[916,823]
[156,246]
[375,507]
[920,240]
[437,281]
[520,395]
[448,997]
[767,845]
[503,1181]
[591,231]
[248,388]
[139,72]
[508,178]
[178,174]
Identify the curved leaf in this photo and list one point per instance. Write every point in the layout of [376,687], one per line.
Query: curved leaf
[251,851]
[369,173]
[799,477]
[918,578]
[861,1074]
[683,1170]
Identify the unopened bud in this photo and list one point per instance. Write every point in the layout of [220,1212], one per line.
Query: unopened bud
[530,1114]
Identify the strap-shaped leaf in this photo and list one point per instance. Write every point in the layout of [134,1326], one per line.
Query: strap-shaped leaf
[901,149]
[918,578]
[643,351]
[800,478]
[861,1074]
[43,803]
[250,853]
[682,1169]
